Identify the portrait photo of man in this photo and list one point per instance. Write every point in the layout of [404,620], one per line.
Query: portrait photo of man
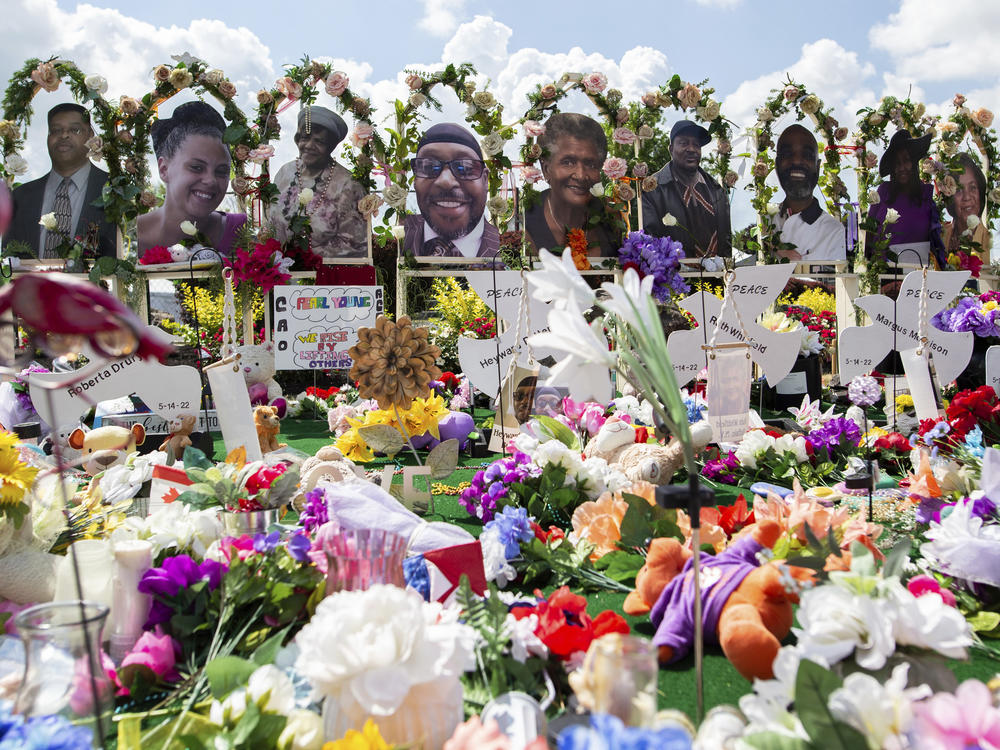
[816,234]
[450,181]
[68,191]
[698,204]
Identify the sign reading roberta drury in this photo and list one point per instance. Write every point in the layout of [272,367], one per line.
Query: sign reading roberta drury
[449,178]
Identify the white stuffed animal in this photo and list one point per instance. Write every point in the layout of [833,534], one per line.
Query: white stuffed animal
[257,364]
[650,462]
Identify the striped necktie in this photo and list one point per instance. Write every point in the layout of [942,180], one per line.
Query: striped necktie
[64,216]
[441,248]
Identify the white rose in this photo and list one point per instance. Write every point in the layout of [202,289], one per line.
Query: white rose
[754,442]
[189,228]
[772,209]
[497,205]
[669,220]
[597,190]
[305,196]
[96,83]
[891,216]
[483,99]
[764,114]
[271,689]
[229,711]
[417,99]
[49,222]
[395,196]
[15,164]
[303,731]
[972,221]
[873,197]
[492,144]
[399,232]
[214,77]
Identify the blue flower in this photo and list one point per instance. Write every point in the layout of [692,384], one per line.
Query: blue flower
[974,442]
[512,526]
[609,733]
[47,733]
[264,543]
[298,547]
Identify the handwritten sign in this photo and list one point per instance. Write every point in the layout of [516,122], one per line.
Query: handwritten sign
[753,290]
[483,359]
[169,391]
[862,347]
[314,326]
[993,368]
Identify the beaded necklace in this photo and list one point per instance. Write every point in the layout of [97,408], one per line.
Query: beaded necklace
[319,192]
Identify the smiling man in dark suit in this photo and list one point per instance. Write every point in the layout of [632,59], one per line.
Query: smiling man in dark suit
[67,191]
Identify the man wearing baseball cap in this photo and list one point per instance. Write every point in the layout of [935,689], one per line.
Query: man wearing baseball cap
[687,204]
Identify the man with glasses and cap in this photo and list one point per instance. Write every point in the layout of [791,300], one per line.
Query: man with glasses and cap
[339,230]
[449,178]
[67,191]
[697,205]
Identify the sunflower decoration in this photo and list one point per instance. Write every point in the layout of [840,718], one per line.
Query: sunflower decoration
[16,478]
[394,363]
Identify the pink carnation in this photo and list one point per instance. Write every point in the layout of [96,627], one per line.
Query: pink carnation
[261,154]
[531,175]
[288,87]
[337,83]
[615,167]
[361,134]
[533,128]
[623,136]
[963,720]
[595,82]
[158,652]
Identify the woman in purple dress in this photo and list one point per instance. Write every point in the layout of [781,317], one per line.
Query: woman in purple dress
[918,226]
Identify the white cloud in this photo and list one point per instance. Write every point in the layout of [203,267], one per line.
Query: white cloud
[933,41]
[441,17]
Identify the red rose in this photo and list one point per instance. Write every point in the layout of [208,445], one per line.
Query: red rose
[263,477]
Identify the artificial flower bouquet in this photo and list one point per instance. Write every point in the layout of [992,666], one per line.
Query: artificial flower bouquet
[235,485]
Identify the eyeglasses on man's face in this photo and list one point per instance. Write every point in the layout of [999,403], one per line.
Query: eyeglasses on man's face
[463,169]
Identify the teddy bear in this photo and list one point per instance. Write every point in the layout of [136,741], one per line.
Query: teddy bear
[179,438]
[328,465]
[650,462]
[257,364]
[106,446]
[746,607]
[268,425]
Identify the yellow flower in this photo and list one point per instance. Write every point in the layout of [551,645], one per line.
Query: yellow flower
[16,477]
[428,412]
[379,416]
[872,435]
[353,447]
[991,305]
[369,738]
[904,402]
[817,300]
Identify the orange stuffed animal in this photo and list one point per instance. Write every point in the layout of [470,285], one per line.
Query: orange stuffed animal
[268,426]
[745,606]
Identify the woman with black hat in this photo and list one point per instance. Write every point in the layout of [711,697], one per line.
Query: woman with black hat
[338,227]
[194,164]
[918,223]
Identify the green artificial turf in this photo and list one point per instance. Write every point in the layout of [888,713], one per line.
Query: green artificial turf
[722,683]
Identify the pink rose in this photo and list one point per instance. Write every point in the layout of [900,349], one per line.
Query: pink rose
[648,184]
[549,91]
[533,128]
[871,159]
[615,167]
[731,178]
[156,651]
[261,154]
[640,169]
[595,82]
[337,83]
[625,193]
[623,136]
[361,134]
[240,184]
[761,169]
[959,100]
[983,117]
[840,134]
[531,175]
[262,478]
[651,99]
[791,93]
[414,81]
[288,87]
[622,117]
[264,97]
[227,89]
[947,186]
[241,152]
[689,96]
[46,76]
[924,584]
[724,147]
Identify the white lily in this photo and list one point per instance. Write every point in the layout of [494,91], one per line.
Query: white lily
[630,301]
[882,712]
[558,282]
[586,369]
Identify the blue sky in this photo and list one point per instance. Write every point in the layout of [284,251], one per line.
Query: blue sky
[850,53]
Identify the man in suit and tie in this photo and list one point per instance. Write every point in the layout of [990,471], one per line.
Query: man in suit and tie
[67,191]
[449,178]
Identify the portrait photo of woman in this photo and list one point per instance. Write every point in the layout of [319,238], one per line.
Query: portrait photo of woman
[969,200]
[194,164]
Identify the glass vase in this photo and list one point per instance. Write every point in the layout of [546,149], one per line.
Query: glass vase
[622,672]
[360,558]
[63,673]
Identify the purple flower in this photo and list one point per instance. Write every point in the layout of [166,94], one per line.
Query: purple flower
[315,513]
[265,543]
[176,573]
[930,509]
[658,257]
[52,732]
[834,433]
[298,547]
[969,315]
[721,469]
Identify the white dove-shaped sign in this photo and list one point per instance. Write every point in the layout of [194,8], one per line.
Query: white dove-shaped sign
[862,347]
[486,361]
[753,289]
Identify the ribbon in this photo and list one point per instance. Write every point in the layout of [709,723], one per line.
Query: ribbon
[852,223]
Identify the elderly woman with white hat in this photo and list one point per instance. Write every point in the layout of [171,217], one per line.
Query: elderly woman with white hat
[338,228]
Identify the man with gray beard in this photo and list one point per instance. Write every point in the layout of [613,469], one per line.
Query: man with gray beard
[815,234]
